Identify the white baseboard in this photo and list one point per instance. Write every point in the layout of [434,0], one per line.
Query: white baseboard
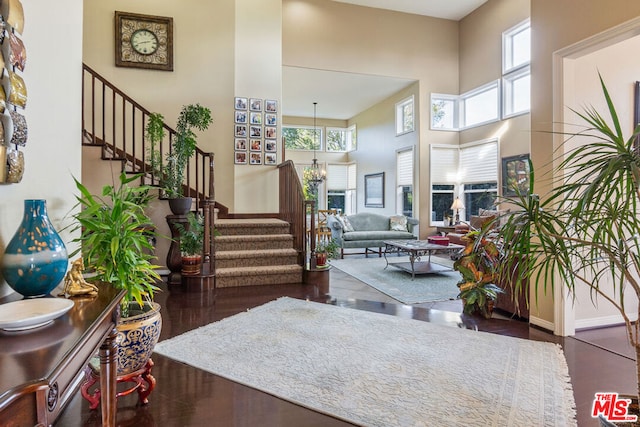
[541,323]
[599,322]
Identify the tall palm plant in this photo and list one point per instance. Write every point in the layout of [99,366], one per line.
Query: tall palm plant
[586,230]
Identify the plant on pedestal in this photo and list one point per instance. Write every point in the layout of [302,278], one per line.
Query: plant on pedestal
[191,243]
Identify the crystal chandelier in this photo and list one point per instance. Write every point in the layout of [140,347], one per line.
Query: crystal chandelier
[316,175]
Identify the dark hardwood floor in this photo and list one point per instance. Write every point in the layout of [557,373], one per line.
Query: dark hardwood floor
[185,396]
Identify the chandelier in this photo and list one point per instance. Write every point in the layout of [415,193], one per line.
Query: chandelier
[316,175]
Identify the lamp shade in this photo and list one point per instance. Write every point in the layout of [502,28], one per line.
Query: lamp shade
[457,204]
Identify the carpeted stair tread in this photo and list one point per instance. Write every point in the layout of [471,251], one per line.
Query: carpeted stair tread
[255,253]
[258,238]
[258,270]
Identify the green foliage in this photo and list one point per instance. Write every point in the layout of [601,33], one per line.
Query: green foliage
[300,138]
[192,236]
[154,133]
[115,235]
[586,229]
[330,247]
[192,116]
[478,265]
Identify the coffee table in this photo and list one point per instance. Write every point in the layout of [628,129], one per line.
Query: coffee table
[416,249]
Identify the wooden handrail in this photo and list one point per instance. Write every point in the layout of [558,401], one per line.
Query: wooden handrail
[292,207]
[116,122]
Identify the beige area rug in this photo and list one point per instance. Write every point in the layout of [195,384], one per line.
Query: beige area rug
[380,370]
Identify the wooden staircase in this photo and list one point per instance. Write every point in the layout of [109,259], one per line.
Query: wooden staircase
[255,252]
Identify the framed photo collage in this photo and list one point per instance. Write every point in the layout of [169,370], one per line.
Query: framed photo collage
[255,131]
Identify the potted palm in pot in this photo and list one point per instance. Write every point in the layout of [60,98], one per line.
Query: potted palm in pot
[191,243]
[192,116]
[586,230]
[115,238]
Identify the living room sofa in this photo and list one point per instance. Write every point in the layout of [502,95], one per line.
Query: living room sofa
[368,230]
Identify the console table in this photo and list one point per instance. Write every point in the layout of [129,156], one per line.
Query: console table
[40,369]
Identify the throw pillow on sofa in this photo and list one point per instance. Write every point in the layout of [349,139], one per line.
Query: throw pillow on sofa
[398,223]
[344,222]
[478,221]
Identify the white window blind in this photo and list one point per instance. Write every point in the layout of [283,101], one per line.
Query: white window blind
[444,165]
[479,163]
[337,177]
[352,177]
[404,167]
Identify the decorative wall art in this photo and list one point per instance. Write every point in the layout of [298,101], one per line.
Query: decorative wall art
[255,131]
[374,190]
[13,92]
[515,175]
[144,41]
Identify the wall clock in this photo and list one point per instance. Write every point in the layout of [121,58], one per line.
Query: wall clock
[144,41]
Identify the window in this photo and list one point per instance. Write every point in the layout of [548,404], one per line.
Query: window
[301,138]
[516,78]
[404,182]
[444,112]
[480,105]
[479,176]
[444,178]
[516,47]
[469,172]
[336,186]
[341,139]
[404,116]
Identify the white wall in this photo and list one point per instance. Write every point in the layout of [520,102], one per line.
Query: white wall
[620,71]
[53,40]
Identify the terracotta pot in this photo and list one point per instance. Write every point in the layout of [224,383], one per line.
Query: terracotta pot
[191,265]
[321,259]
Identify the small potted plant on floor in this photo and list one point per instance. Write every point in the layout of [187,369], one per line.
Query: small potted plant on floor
[478,265]
[191,243]
[115,238]
[326,249]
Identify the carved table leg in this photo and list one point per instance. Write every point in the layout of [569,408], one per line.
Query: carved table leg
[108,354]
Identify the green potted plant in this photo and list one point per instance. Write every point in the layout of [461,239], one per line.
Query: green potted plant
[154,134]
[115,234]
[584,231]
[478,265]
[326,249]
[192,116]
[191,243]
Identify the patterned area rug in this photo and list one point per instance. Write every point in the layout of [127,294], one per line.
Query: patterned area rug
[398,284]
[379,370]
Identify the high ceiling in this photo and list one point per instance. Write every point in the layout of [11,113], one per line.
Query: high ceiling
[344,95]
[446,9]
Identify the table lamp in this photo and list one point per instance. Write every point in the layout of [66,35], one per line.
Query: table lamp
[456,206]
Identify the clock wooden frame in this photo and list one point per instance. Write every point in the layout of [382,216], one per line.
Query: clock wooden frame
[126,24]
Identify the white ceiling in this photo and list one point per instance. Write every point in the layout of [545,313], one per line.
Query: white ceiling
[339,95]
[344,95]
[446,9]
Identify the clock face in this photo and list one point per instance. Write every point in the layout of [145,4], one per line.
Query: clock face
[144,42]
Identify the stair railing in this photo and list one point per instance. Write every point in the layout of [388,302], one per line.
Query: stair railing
[292,207]
[113,120]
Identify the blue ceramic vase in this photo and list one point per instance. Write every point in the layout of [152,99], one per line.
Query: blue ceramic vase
[36,259]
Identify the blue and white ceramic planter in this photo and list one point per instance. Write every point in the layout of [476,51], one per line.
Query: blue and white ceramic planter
[36,259]
[137,336]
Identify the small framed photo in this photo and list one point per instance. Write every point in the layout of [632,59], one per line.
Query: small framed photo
[255,104]
[270,119]
[270,132]
[241,144]
[270,106]
[270,146]
[241,117]
[240,157]
[241,103]
[256,145]
[515,175]
[270,158]
[241,130]
[256,158]
[256,131]
[256,118]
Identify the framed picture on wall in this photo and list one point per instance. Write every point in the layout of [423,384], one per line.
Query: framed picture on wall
[374,190]
[515,175]
[270,106]
[240,158]
[241,103]
[269,158]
